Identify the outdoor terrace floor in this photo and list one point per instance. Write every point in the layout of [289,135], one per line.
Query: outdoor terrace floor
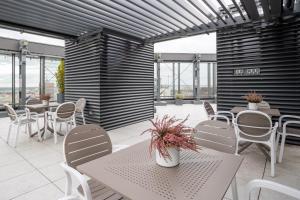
[32,171]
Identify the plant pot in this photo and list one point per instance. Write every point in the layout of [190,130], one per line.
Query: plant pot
[171,161]
[178,101]
[252,106]
[60,97]
[45,102]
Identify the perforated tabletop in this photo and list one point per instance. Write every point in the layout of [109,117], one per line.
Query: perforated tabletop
[134,174]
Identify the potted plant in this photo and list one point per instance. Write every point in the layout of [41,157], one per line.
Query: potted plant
[179,98]
[168,136]
[253,99]
[60,81]
[45,99]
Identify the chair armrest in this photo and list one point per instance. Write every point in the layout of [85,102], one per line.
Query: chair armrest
[226,112]
[289,122]
[287,116]
[272,186]
[220,116]
[71,172]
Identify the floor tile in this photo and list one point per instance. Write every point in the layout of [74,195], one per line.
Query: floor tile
[14,170]
[48,192]
[21,185]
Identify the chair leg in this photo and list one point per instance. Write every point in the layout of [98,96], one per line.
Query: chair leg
[38,130]
[281,148]
[237,147]
[17,135]
[234,189]
[83,118]
[8,134]
[273,159]
[277,142]
[55,132]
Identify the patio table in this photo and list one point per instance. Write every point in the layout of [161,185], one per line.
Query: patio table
[202,175]
[272,112]
[47,107]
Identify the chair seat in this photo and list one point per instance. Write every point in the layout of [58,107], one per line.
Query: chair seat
[26,121]
[101,192]
[290,131]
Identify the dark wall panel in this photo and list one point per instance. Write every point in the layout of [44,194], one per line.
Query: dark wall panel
[82,75]
[275,50]
[115,75]
[127,79]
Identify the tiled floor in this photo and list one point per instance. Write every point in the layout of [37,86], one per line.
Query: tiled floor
[31,171]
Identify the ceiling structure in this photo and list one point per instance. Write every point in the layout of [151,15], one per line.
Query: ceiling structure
[140,20]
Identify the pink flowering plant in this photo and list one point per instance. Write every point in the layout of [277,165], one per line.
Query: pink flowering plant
[170,132]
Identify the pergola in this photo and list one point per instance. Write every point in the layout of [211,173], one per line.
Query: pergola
[139,20]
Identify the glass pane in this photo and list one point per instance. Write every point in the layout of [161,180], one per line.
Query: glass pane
[166,80]
[32,77]
[17,81]
[203,80]
[51,65]
[5,79]
[186,79]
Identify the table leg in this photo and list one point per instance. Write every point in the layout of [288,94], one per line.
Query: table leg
[234,189]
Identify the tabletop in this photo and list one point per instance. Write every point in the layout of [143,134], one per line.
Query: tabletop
[133,173]
[36,106]
[273,112]
[216,135]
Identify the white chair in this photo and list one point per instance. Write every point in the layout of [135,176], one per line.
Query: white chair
[26,119]
[80,105]
[256,127]
[65,113]
[285,121]
[257,183]
[83,144]
[212,115]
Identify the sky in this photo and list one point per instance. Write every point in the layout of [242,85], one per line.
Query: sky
[30,37]
[195,44]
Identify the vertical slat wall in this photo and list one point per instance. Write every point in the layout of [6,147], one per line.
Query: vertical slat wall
[127,81]
[82,75]
[115,76]
[275,50]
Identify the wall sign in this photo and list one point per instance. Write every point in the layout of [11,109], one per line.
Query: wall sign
[247,72]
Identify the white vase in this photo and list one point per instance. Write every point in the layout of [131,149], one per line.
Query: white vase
[252,106]
[168,162]
[45,102]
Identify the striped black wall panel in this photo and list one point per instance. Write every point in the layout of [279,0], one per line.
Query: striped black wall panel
[82,75]
[127,78]
[275,50]
[115,75]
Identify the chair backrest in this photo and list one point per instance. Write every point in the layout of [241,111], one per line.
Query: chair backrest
[253,124]
[80,104]
[65,110]
[264,104]
[33,101]
[11,112]
[85,143]
[208,108]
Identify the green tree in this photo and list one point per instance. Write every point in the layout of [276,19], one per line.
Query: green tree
[60,76]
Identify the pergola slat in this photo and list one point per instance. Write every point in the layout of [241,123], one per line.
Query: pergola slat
[251,9]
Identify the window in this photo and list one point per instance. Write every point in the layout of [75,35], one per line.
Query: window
[203,80]
[186,79]
[32,77]
[6,79]
[51,65]
[166,80]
